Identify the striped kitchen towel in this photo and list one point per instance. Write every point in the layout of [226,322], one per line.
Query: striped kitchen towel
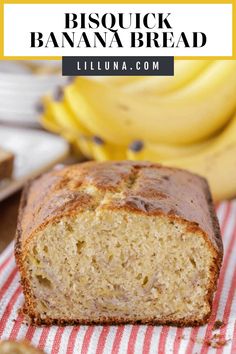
[130,339]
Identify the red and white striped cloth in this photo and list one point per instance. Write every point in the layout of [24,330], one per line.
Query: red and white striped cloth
[128,339]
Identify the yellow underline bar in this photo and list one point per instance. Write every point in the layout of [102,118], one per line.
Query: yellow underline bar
[60,58]
[120,2]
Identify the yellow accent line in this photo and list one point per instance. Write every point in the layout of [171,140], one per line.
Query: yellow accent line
[119,2]
[60,58]
[234,28]
[1,29]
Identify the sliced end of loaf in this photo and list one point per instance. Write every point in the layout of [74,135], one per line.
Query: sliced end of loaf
[111,266]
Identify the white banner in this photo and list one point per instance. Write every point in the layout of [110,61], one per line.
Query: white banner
[118,29]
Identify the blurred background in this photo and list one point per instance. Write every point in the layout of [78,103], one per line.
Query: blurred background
[26,149]
[186,121]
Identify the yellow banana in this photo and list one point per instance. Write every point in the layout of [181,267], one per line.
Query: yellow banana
[103,151]
[139,150]
[217,163]
[59,119]
[64,117]
[48,123]
[119,81]
[185,71]
[100,153]
[46,117]
[184,117]
[85,145]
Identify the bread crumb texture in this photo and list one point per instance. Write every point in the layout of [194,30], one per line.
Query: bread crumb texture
[118,243]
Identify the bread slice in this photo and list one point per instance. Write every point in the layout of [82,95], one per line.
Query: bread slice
[6,164]
[118,242]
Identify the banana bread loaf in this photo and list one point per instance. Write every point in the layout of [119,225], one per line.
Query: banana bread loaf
[118,242]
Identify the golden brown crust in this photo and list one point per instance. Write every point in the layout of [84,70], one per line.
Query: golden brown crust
[137,187]
[113,321]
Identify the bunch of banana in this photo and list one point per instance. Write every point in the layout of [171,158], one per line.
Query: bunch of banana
[186,121]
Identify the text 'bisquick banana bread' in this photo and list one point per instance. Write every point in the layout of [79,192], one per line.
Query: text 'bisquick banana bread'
[118,242]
